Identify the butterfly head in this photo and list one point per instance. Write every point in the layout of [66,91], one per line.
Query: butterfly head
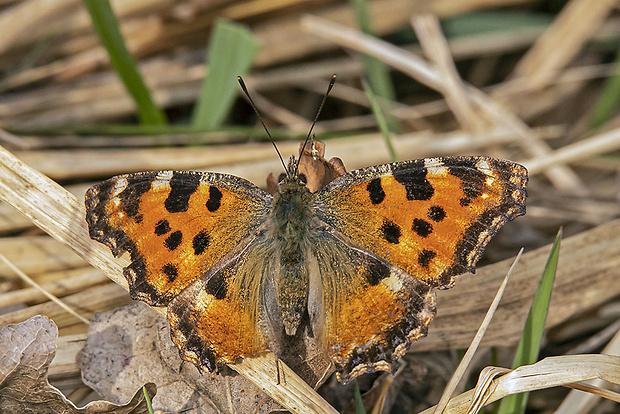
[292,175]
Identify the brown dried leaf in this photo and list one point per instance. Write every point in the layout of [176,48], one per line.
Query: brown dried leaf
[129,346]
[29,347]
[318,171]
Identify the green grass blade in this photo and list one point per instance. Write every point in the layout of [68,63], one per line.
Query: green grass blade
[231,51]
[106,26]
[529,346]
[381,121]
[609,98]
[359,404]
[488,22]
[376,73]
[149,406]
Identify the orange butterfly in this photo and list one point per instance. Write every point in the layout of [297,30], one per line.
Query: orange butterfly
[241,270]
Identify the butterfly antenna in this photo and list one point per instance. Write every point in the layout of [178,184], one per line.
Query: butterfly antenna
[260,118]
[316,117]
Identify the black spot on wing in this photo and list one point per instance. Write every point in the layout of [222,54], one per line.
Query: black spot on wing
[377,270]
[375,191]
[182,186]
[201,242]
[174,240]
[391,231]
[412,176]
[215,199]
[425,257]
[217,286]
[162,227]
[422,227]
[436,213]
[170,271]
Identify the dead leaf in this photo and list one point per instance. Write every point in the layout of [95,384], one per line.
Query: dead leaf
[28,348]
[129,346]
[318,171]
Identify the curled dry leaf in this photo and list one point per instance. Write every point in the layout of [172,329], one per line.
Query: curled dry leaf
[28,349]
[566,370]
[312,163]
[129,346]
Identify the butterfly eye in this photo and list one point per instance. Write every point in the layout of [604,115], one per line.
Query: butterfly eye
[281,177]
[303,180]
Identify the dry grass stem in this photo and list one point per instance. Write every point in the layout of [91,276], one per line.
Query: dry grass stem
[585,149]
[437,51]
[43,291]
[579,402]
[562,177]
[64,283]
[475,343]
[550,372]
[574,26]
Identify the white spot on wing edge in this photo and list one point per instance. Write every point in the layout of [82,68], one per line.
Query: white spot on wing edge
[435,167]
[162,179]
[483,166]
[119,185]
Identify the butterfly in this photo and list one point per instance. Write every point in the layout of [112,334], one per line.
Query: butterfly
[358,261]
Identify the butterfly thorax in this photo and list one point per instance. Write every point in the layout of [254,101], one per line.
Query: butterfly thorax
[290,224]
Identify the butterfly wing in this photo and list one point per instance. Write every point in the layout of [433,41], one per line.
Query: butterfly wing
[371,311]
[191,237]
[411,226]
[217,319]
[175,224]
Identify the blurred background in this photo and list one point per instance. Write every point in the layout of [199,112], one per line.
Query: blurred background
[91,89]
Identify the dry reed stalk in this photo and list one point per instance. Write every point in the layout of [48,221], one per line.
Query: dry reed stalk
[436,50]
[554,49]
[580,402]
[561,176]
[586,148]
[87,302]
[51,297]
[65,283]
[256,160]
[550,372]
[19,19]
[465,362]
[36,255]
[175,83]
